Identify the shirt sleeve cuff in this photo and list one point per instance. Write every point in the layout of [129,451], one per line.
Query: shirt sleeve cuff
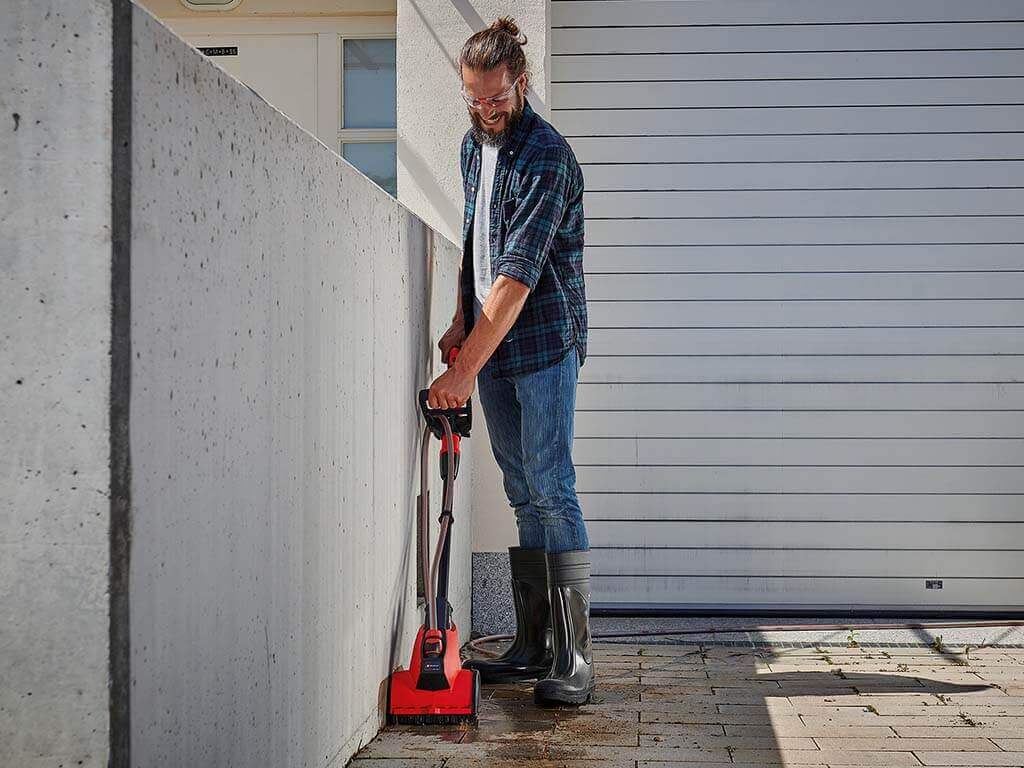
[520,269]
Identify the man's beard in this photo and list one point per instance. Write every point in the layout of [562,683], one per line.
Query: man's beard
[495,139]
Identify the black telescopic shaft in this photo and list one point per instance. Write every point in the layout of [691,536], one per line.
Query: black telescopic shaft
[444,542]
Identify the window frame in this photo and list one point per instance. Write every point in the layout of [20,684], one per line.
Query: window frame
[203,7]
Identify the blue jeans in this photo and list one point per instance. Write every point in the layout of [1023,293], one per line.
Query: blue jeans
[530,420]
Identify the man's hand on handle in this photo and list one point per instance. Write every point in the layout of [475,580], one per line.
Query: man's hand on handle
[454,387]
[451,389]
[504,303]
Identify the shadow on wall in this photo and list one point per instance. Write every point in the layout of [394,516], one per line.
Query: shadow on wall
[420,253]
[426,180]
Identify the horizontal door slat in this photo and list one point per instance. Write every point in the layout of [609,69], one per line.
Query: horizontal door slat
[835,562]
[825,368]
[776,149]
[874,202]
[805,37]
[975,229]
[596,13]
[779,287]
[820,314]
[802,479]
[773,176]
[804,593]
[748,121]
[773,66]
[809,258]
[806,341]
[814,535]
[780,451]
[784,94]
[797,424]
[862,507]
[624,397]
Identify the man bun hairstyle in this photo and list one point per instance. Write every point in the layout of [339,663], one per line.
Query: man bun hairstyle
[501,43]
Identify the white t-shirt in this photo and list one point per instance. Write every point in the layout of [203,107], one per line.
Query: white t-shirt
[482,228]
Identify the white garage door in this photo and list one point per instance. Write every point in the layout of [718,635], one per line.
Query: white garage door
[806,284]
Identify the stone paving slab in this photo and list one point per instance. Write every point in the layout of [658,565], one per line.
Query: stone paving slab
[659,706]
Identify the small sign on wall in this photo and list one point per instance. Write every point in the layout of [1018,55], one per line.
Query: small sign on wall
[219,50]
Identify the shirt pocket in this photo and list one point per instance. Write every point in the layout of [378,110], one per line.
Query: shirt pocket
[508,210]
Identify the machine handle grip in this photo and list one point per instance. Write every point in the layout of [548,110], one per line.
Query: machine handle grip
[460,419]
[432,413]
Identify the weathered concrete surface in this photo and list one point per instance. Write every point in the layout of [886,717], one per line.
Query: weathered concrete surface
[281,327]
[714,706]
[493,611]
[55,161]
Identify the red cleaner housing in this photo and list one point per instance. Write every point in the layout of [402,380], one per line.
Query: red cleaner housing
[436,689]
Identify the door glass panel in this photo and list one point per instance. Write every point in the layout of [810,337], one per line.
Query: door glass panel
[369,84]
[377,159]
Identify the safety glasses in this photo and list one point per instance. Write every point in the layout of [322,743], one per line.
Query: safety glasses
[494,102]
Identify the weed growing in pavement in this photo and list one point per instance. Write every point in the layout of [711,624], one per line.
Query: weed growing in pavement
[968,720]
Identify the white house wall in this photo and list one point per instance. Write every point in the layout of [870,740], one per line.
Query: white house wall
[271,9]
[292,60]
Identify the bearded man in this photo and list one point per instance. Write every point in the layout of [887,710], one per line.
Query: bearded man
[521,324]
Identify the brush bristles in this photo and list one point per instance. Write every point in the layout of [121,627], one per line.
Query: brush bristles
[431,719]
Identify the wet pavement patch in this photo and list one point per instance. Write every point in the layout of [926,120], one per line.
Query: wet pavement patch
[661,705]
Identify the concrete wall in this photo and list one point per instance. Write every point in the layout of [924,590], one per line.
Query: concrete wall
[281,317]
[55,169]
[281,327]
[432,120]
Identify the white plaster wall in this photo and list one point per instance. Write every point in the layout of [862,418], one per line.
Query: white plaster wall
[282,324]
[55,85]
[432,120]
[272,9]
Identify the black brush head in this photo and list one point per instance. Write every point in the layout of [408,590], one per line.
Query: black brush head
[431,719]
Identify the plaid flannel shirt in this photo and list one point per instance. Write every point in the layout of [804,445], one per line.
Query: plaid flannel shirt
[536,238]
